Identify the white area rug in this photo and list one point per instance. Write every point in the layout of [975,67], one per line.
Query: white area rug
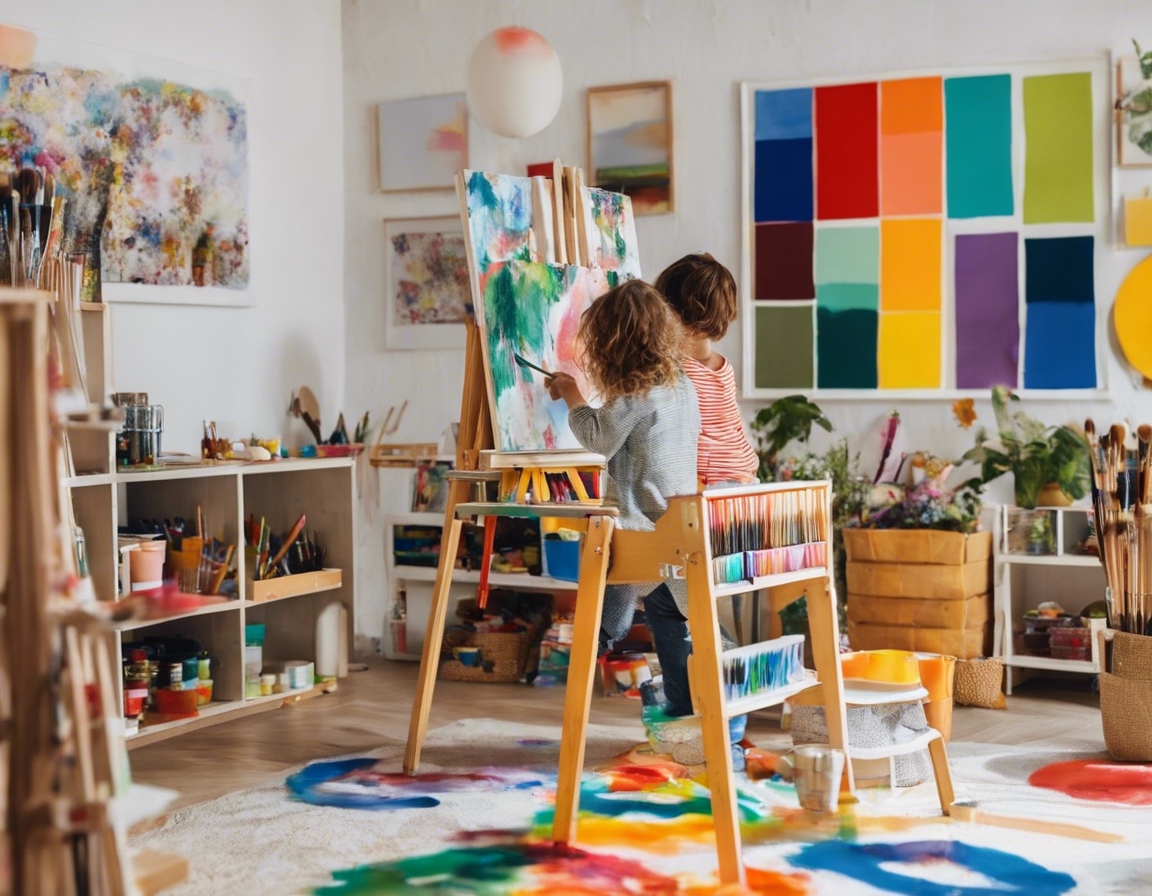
[262,841]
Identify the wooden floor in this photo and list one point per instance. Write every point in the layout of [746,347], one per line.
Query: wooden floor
[371,708]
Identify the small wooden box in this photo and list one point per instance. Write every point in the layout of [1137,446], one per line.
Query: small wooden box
[293,586]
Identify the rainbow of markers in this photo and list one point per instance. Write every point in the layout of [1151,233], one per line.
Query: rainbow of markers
[763,667]
[767,534]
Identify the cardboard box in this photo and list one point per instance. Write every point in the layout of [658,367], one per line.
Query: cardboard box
[933,581]
[964,612]
[917,546]
[963,643]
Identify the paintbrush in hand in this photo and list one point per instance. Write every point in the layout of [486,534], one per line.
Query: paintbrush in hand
[524,362]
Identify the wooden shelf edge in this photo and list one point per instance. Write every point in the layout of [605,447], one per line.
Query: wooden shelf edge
[284,587]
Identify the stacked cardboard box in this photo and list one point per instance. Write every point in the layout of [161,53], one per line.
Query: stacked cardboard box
[920,589]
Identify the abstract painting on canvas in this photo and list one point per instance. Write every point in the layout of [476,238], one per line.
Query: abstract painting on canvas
[427,298]
[611,232]
[423,142]
[150,156]
[630,143]
[533,309]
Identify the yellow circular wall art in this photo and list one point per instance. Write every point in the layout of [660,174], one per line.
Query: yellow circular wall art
[1132,315]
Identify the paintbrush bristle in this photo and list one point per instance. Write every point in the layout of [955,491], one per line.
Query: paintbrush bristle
[1090,429]
[1144,432]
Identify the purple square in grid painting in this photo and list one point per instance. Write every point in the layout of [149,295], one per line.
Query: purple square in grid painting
[987,310]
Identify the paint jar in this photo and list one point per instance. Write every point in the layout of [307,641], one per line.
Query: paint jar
[204,667]
[146,565]
[267,682]
[177,704]
[468,656]
[251,687]
[301,674]
[817,771]
[175,676]
[283,683]
[191,671]
[203,691]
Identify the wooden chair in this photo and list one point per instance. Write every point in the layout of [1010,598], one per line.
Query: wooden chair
[680,545]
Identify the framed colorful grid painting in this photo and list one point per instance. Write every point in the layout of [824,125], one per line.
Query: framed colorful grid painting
[927,234]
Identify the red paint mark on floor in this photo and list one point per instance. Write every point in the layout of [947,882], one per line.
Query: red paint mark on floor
[1099,781]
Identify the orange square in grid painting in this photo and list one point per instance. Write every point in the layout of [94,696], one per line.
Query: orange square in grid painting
[911,146]
[911,105]
[910,254]
[911,173]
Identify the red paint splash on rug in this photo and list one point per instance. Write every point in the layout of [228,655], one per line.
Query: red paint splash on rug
[1099,781]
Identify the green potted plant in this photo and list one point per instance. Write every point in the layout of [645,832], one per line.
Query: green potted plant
[1045,460]
[786,420]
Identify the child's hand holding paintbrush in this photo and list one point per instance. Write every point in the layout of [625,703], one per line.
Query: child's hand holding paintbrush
[560,385]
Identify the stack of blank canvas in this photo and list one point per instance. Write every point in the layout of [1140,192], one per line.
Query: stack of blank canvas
[919,589]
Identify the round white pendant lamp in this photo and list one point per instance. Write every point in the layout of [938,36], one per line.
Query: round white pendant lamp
[514,82]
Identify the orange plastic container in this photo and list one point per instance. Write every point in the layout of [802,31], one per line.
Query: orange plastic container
[176,704]
[894,667]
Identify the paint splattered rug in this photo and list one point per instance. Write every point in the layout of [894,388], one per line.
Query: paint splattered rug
[476,822]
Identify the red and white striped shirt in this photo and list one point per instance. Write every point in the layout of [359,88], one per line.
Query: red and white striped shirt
[725,454]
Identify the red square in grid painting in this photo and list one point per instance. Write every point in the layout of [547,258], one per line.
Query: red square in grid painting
[847,167]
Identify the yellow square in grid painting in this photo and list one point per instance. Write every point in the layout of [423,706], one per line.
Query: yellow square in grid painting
[910,264]
[908,356]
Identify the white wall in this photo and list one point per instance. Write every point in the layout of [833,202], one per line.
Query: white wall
[238,365]
[405,48]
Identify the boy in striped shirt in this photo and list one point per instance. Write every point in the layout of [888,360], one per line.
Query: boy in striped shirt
[702,294]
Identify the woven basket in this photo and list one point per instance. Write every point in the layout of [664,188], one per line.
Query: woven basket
[1126,698]
[978,683]
[503,656]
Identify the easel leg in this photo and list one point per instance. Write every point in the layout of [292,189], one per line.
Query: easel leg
[707,683]
[939,754]
[825,631]
[581,672]
[433,638]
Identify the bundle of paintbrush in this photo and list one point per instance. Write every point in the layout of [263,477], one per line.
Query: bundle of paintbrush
[763,534]
[295,552]
[763,667]
[1122,506]
[31,214]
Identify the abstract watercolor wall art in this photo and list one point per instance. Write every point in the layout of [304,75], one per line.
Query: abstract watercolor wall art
[630,143]
[611,232]
[533,309]
[1134,121]
[423,142]
[153,167]
[926,234]
[427,298]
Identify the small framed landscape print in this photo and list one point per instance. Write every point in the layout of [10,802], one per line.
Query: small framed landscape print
[630,143]
[422,143]
[426,290]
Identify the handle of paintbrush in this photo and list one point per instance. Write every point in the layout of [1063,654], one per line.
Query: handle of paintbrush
[290,540]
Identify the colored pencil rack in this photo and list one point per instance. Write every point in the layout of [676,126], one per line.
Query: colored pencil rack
[767,533]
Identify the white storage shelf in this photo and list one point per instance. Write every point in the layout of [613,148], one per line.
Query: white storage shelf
[399,575]
[1022,581]
[280,491]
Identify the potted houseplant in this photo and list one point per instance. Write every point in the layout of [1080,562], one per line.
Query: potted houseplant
[786,420]
[1049,463]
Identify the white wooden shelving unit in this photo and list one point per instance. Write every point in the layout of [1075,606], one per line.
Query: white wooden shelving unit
[419,598]
[1023,581]
[104,497]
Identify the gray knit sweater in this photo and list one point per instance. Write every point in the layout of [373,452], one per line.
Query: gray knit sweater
[650,443]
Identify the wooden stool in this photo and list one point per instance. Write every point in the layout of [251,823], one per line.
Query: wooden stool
[680,544]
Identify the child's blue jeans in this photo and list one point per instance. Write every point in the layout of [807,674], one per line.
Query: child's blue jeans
[674,645]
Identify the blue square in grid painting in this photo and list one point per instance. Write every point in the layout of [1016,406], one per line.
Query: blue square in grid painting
[1060,345]
[784,114]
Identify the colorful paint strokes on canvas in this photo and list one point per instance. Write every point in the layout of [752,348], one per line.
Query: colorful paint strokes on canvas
[611,232]
[359,784]
[426,283]
[500,217]
[423,142]
[155,173]
[533,309]
[952,865]
[1099,781]
[630,143]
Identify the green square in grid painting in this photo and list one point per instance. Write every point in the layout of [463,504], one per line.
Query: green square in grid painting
[848,255]
[784,346]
